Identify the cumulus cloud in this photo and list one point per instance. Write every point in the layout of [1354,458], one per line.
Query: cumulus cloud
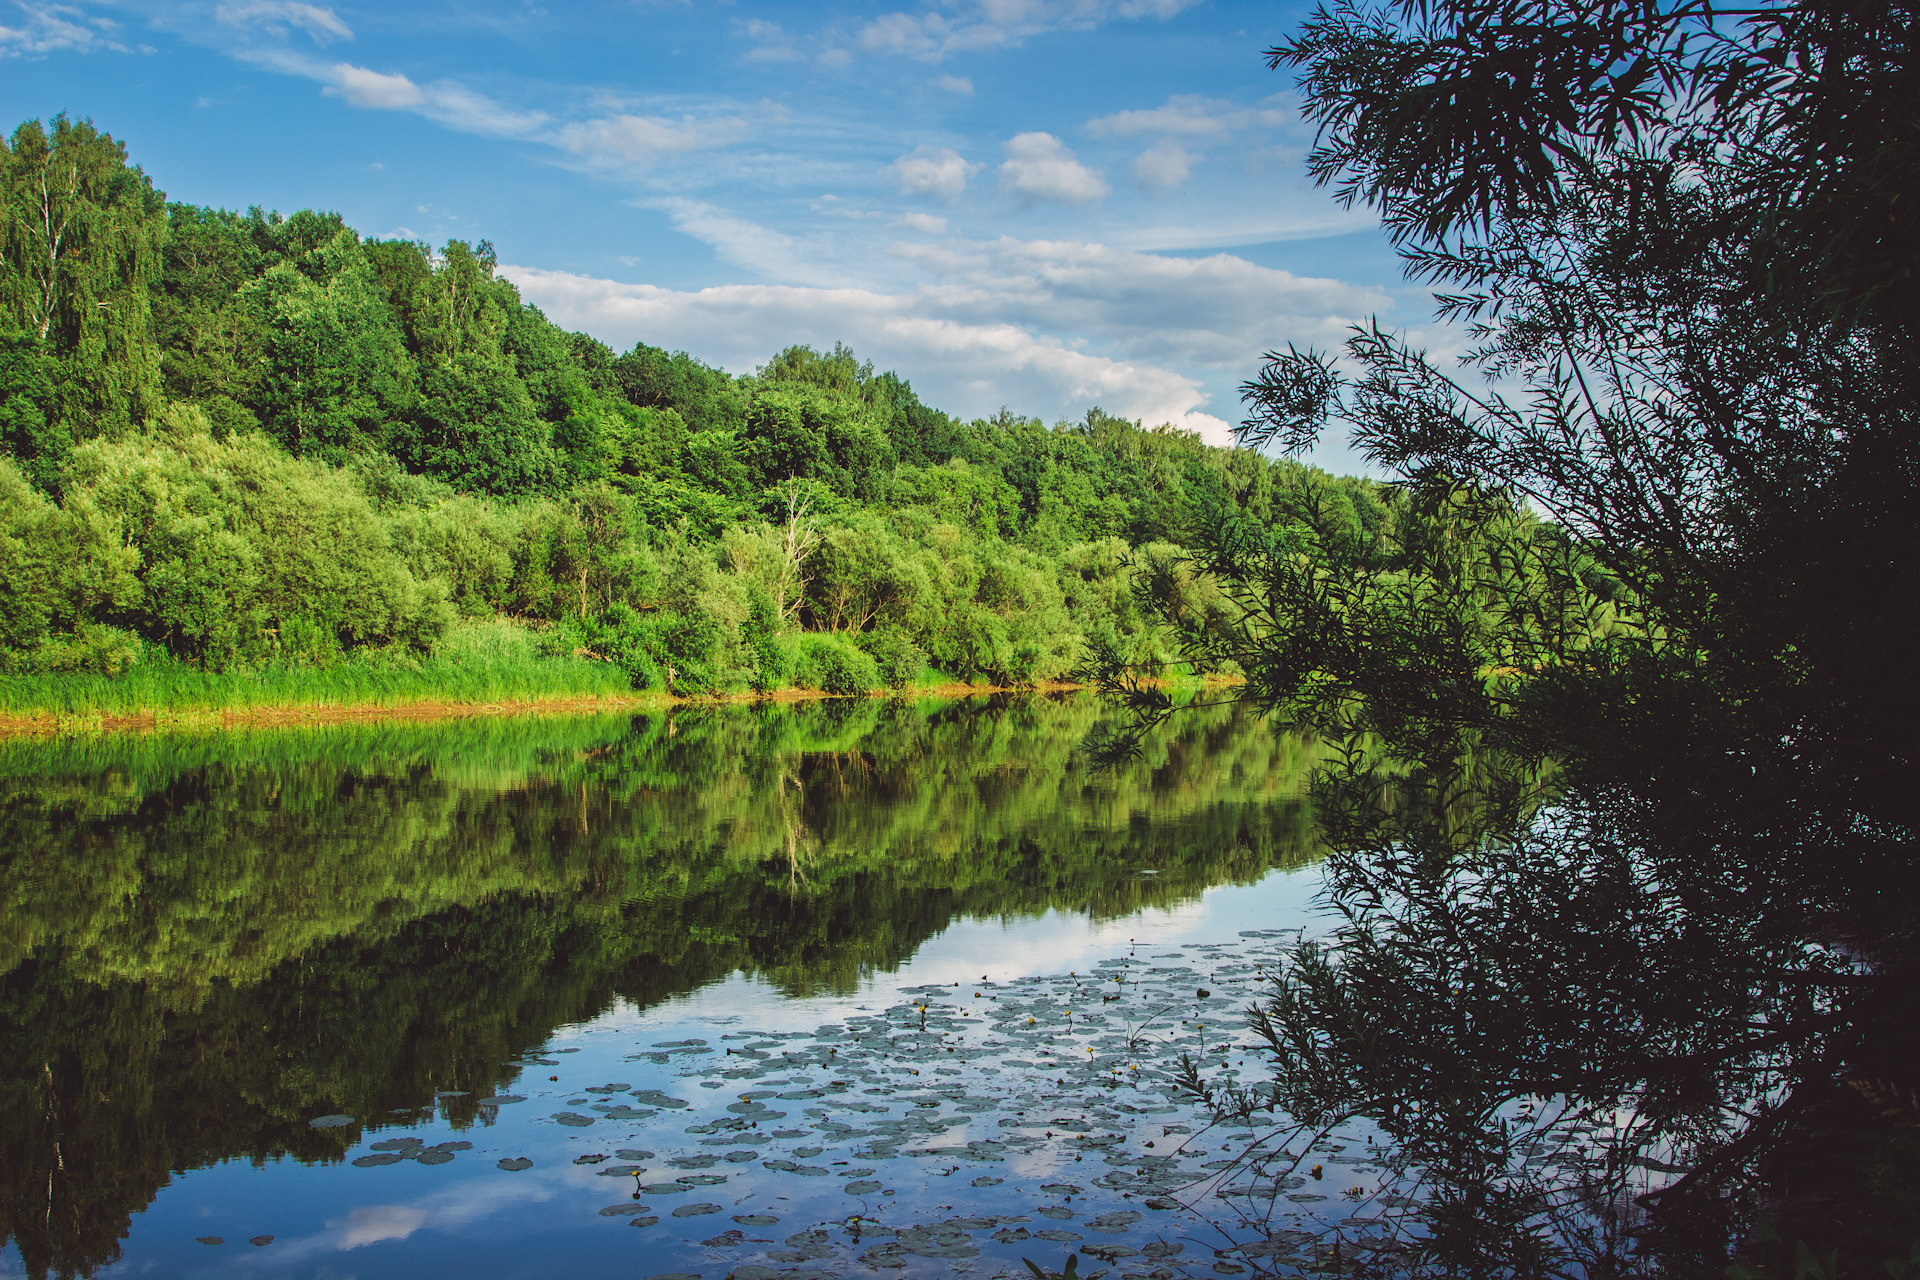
[962,85]
[938,172]
[1218,311]
[53,28]
[969,367]
[276,16]
[1041,166]
[987,24]
[1163,167]
[1047,327]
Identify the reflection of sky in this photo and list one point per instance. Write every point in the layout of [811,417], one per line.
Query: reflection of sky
[1000,949]
[468,1218]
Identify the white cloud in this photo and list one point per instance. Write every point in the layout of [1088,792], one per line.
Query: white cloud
[373,89]
[970,368]
[444,101]
[1218,311]
[1191,115]
[642,140]
[922,222]
[1163,167]
[771,43]
[53,28]
[1047,327]
[275,16]
[986,24]
[1041,166]
[962,85]
[939,172]
[738,240]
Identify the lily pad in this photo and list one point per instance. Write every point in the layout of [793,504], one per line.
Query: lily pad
[633,1153]
[695,1210]
[210,1239]
[384,1157]
[865,1188]
[332,1122]
[571,1119]
[433,1157]
[1065,1237]
[515,1165]
[755,1219]
[620,1170]
[623,1210]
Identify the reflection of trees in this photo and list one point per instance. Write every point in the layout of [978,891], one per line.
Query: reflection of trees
[214,940]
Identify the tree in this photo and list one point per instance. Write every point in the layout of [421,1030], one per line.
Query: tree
[1636,641]
[80,240]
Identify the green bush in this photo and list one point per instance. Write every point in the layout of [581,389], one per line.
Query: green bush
[834,664]
[898,659]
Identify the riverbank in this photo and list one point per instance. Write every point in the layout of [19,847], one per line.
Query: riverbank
[266,716]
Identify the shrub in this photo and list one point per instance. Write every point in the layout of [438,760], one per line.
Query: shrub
[834,664]
[899,660]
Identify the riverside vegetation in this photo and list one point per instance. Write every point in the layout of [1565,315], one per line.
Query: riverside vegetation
[253,459]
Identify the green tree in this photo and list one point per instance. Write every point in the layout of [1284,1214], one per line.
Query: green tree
[81,235]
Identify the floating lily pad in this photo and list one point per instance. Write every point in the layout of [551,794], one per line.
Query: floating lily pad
[665,1188]
[623,1210]
[620,1171]
[397,1144]
[633,1153]
[515,1165]
[695,1210]
[433,1157]
[1065,1237]
[807,1153]
[259,1241]
[571,1119]
[501,1100]
[210,1239]
[988,1182]
[384,1157]
[590,1158]
[866,1188]
[332,1122]
[702,1179]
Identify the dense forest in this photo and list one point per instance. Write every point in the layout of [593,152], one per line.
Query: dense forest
[237,442]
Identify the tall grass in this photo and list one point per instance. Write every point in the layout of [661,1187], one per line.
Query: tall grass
[488,661]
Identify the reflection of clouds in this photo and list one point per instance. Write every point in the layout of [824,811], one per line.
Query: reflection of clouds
[368,1223]
[442,1210]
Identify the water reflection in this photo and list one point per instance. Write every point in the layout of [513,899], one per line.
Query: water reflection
[212,940]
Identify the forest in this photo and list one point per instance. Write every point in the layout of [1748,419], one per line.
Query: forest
[246,453]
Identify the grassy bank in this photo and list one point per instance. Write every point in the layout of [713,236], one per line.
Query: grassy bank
[485,662]
[494,665]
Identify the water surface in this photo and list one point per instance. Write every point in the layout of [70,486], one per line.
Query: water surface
[843,989]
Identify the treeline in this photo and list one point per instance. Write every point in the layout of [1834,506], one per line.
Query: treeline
[236,441]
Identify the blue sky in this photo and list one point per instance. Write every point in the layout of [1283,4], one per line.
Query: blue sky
[1045,204]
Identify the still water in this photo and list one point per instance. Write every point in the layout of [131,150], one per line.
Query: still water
[842,989]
